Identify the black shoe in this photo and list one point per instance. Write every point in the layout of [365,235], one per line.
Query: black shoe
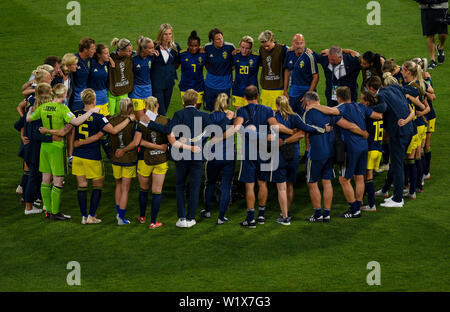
[432,65]
[57,217]
[313,218]
[205,214]
[326,219]
[261,220]
[350,215]
[441,55]
[250,225]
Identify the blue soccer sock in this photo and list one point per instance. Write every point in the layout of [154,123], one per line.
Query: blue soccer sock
[419,177]
[261,211]
[156,204]
[82,200]
[143,202]
[317,212]
[95,201]
[370,190]
[412,169]
[250,215]
[353,207]
[326,212]
[427,155]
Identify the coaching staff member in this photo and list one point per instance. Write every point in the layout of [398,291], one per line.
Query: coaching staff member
[340,69]
[433,14]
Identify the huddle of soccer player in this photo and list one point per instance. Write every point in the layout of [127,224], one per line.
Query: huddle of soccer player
[117,101]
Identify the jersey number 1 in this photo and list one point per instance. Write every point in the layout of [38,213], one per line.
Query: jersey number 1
[378,130]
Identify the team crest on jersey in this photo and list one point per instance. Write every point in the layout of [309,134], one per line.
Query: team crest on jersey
[95,70]
[250,63]
[138,66]
[225,55]
[186,59]
[200,60]
[302,64]
[149,64]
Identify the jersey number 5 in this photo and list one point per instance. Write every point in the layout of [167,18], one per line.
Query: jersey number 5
[83,129]
[378,130]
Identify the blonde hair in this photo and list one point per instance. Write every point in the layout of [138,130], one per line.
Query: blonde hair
[120,43]
[151,103]
[265,36]
[389,66]
[39,74]
[46,67]
[142,42]
[59,90]
[42,94]
[388,79]
[162,29]
[125,104]
[285,109]
[221,104]
[417,72]
[247,39]
[88,96]
[190,97]
[68,59]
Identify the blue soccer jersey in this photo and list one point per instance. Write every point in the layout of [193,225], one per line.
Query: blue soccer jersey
[414,92]
[81,76]
[98,81]
[321,145]
[220,60]
[142,88]
[191,71]
[95,123]
[357,114]
[375,130]
[301,69]
[432,113]
[245,72]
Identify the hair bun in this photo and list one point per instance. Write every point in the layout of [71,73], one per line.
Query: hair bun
[387,74]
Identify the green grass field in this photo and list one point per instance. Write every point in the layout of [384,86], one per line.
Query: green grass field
[410,243]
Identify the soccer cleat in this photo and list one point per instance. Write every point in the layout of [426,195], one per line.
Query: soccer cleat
[432,65]
[141,219]
[380,193]
[368,208]
[283,221]
[412,196]
[66,216]
[84,220]
[69,161]
[313,218]
[93,220]
[190,223]
[19,190]
[153,226]
[181,223]
[34,210]
[289,217]
[220,222]
[350,215]
[391,203]
[427,176]
[326,219]
[205,214]
[441,55]
[57,217]
[261,220]
[122,221]
[250,225]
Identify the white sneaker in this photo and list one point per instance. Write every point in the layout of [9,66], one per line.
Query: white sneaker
[368,208]
[382,168]
[122,221]
[427,176]
[380,193]
[37,203]
[83,220]
[19,190]
[191,223]
[182,223]
[33,211]
[390,203]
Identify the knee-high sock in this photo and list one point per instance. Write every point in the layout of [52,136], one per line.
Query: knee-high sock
[46,192]
[426,169]
[419,166]
[82,200]
[156,204]
[370,189]
[412,173]
[95,201]
[56,198]
[143,201]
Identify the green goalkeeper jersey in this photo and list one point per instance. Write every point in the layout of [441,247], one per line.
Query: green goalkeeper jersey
[54,116]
